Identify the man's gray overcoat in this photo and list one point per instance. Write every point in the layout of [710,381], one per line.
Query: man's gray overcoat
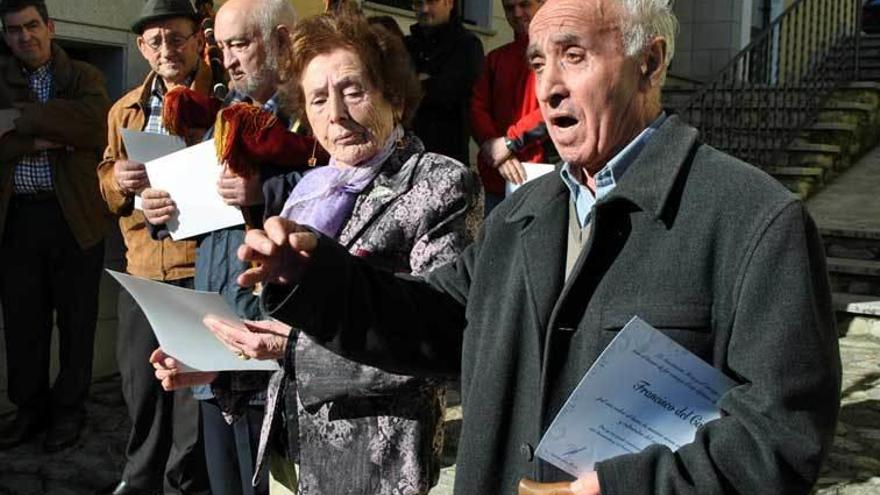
[711,251]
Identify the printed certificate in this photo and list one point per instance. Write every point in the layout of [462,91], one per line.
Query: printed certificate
[644,389]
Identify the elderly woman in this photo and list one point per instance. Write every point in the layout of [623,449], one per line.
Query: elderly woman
[352,428]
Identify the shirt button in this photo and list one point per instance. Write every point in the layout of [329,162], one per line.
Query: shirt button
[527,452]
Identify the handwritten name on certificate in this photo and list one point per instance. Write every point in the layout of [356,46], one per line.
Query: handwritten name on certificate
[644,389]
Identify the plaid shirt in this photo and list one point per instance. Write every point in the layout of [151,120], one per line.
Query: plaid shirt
[272,106]
[155,105]
[33,172]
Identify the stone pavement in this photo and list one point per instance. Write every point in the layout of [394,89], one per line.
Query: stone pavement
[853,467]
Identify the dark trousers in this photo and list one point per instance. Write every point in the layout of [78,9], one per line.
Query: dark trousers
[44,272]
[164,451]
[231,450]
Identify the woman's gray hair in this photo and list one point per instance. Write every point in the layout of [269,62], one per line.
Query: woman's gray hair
[646,19]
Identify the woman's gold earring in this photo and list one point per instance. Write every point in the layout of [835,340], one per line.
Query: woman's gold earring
[313,160]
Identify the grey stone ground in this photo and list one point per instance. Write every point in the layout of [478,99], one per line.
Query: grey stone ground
[853,467]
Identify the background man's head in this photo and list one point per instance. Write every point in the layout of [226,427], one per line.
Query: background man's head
[28,31]
[600,65]
[430,13]
[519,14]
[170,39]
[255,38]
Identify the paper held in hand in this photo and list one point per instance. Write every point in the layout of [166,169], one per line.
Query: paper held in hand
[7,119]
[533,171]
[176,314]
[190,177]
[644,389]
[143,147]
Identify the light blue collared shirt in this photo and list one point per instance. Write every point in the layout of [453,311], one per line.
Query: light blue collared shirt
[607,178]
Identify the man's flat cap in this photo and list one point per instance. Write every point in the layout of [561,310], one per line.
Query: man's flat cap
[157,10]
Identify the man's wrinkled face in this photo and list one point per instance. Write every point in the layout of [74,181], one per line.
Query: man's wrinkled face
[433,12]
[519,14]
[172,47]
[250,61]
[29,37]
[587,88]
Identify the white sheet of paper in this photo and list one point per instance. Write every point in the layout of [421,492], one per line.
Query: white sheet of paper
[7,118]
[176,316]
[533,171]
[190,177]
[145,146]
[644,389]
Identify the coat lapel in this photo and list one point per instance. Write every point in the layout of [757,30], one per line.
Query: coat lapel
[648,184]
[543,213]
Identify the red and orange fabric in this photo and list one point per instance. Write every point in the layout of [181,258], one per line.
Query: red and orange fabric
[246,136]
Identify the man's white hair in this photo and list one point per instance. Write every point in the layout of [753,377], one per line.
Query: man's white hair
[272,13]
[646,19]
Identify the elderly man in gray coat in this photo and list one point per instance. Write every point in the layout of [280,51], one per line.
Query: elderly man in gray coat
[642,219]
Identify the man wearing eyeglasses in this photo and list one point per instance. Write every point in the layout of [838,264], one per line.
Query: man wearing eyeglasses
[51,224]
[164,452]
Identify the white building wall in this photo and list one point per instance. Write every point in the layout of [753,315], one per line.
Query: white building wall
[712,32]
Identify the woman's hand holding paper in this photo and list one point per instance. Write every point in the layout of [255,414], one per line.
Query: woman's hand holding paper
[262,340]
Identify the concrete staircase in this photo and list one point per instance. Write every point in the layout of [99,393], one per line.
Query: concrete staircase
[847,126]
[848,215]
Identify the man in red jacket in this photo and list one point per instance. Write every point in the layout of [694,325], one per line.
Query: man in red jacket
[505,117]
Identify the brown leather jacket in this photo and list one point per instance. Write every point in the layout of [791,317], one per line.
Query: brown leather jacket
[157,260]
[74,117]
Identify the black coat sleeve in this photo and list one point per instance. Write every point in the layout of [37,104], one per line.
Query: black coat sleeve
[399,323]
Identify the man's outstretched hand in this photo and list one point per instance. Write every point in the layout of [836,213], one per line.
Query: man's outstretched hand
[279,252]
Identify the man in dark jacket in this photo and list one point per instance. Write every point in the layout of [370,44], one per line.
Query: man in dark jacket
[448,59]
[641,220]
[52,225]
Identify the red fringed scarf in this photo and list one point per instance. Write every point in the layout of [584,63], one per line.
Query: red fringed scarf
[185,110]
[247,136]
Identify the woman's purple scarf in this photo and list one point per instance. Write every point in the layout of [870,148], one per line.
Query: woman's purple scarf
[325,197]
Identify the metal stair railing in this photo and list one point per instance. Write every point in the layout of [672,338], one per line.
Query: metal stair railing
[775,87]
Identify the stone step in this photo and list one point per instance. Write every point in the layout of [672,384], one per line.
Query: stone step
[867,73]
[870,41]
[856,304]
[854,276]
[869,63]
[869,52]
[851,242]
[811,172]
[852,266]
[858,316]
